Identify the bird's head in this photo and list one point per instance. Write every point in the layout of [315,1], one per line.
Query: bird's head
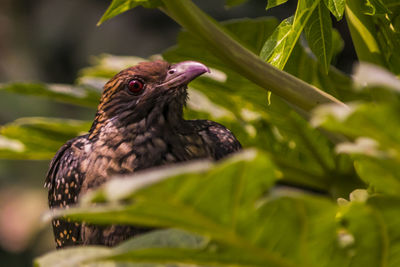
[149,88]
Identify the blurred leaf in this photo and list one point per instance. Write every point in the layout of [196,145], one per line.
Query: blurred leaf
[337,42]
[274,3]
[106,66]
[379,122]
[279,46]
[385,210]
[77,95]
[37,138]
[371,226]
[318,32]
[363,33]
[71,257]
[391,3]
[232,3]
[375,7]
[374,131]
[177,194]
[388,36]
[246,226]
[374,76]
[382,174]
[336,7]
[229,209]
[79,256]
[120,6]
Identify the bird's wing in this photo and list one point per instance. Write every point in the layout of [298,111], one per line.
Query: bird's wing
[64,180]
[221,140]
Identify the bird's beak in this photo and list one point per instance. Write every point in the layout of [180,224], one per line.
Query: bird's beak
[182,73]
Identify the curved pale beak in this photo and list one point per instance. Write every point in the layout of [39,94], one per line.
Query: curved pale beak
[184,72]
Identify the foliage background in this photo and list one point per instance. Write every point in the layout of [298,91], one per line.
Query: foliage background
[50,41]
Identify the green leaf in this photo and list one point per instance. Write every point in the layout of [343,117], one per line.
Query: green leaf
[229,208]
[318,32]
[373,131]
[375,7]
[385,210]
[275,50]
[71,257]
[363,33]
[279,46]
[337,42]
[391,3]
[77,256]
[120,6]
[389,39]
[245,187]
[270,231]
[77,95]
[37,138]
[303,155]
[336,7]
[381,174]
[274,3]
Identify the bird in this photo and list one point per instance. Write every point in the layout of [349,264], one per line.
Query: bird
[138,125]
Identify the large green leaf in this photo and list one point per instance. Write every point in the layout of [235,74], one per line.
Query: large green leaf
[318,31]
[246,221]
[120,6]
[37,138]
[219,202]
[279,46]
[246,176]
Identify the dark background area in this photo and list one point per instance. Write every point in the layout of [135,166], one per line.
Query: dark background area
[49,41]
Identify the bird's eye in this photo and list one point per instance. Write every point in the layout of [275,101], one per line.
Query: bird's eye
[135,86]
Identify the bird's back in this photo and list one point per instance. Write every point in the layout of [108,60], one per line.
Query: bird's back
[85,163]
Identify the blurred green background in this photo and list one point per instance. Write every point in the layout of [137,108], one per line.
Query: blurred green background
[50,41]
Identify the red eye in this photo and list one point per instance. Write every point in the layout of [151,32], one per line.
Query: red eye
[135,86]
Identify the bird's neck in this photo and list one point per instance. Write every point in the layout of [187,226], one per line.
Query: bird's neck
[160,118]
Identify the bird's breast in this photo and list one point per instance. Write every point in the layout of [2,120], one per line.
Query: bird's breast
[115,152]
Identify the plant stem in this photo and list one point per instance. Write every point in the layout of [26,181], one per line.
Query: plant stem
[231,52]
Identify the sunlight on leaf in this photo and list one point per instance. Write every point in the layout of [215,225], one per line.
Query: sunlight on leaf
[336,7]
[97,256]
[11,144]
[37,138]
[279,45]
[120,6]
[371,75]
[76,95]
[318,32]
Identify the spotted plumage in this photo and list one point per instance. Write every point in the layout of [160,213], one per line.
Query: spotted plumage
[138,125]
